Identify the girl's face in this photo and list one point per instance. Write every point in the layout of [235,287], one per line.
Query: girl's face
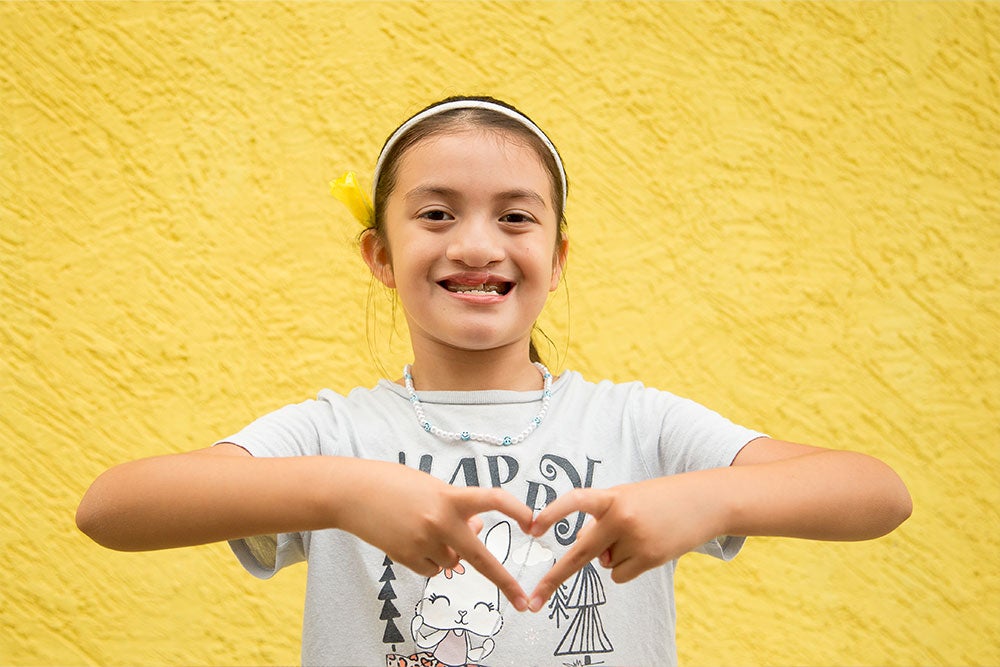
[471,234]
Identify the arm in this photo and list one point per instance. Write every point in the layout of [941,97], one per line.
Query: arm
[224,493]
[772,488]
[790,490]
[203,496]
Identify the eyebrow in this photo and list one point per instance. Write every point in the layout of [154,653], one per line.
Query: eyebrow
[451,193]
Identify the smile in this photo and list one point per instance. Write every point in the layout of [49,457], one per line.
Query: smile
[500,288]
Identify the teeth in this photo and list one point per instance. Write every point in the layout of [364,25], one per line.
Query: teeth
[476,289]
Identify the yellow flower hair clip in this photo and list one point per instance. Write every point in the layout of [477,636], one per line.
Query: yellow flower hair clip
[357,201]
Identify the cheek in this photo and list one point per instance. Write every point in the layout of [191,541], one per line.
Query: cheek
[482,621]
[437,614]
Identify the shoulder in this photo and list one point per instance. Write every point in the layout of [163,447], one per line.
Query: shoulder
[331,403]
[628,390]
[382,393]
[360,405]
[650,408]
[632,398]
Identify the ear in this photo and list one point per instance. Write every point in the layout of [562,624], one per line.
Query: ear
[559,262]
[375,252]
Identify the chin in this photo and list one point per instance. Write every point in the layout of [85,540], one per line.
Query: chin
[482,340]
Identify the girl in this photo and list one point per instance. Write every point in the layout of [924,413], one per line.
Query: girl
[424,506]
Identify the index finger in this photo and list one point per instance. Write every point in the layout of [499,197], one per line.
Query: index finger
[478,556]
[474,500]
[589,545]
[591,501]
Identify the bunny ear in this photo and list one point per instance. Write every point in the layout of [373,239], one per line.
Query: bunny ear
[498,541]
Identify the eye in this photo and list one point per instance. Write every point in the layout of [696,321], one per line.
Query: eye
[489,605]
[435,214]
[434,597]
[516,218]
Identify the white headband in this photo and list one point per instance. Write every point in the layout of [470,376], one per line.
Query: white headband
[470,104]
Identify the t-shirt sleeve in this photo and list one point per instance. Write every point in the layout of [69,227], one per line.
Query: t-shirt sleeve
[688,437]
[294,430]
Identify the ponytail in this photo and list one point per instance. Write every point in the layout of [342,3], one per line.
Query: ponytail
[533,352]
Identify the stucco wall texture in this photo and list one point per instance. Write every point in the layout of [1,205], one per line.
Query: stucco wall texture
[789,212]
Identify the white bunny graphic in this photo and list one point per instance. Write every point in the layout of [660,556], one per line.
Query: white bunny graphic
[460,610]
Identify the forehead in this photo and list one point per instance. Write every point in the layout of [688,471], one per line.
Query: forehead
[475,157]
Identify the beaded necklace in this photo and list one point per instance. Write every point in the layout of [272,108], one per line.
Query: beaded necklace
[463,436]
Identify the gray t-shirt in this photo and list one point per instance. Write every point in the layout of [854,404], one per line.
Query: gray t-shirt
[363,609]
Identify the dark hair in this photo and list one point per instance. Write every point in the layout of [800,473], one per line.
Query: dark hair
[450,121]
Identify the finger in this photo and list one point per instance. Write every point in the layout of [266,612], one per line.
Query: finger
[627,570]
[447,560]
[478,556]
[440,554]
[475,500]
[592,501]
[475,523]
[616,554]
[425,567]
[588,546]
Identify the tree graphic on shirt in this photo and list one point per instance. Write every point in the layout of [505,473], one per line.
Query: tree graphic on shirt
[389,611]
[585,633]
[558,605]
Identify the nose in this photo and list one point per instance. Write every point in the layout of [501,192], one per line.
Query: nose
[476,242]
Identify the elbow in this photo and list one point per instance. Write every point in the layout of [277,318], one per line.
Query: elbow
[903,505]
[884,501]
[85,520]
[101,529]
[897,504]
[89,519]
[93,518]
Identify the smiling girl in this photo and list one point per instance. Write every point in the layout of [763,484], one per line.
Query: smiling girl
[425,506]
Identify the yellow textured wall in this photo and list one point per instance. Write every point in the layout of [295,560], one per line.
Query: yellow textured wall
[789,212]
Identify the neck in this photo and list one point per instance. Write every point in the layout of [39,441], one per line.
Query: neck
[449,369]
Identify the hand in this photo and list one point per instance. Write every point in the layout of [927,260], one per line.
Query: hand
[425,524]
[633,527]
[483,651]
[415,625]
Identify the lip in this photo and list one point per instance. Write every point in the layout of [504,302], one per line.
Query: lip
[480,299]
[473,278]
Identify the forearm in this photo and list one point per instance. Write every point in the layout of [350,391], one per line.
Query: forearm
[772,488]
[824,495]
[196,498]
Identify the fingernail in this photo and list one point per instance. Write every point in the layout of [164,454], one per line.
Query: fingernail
[536,603]
[521,603]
